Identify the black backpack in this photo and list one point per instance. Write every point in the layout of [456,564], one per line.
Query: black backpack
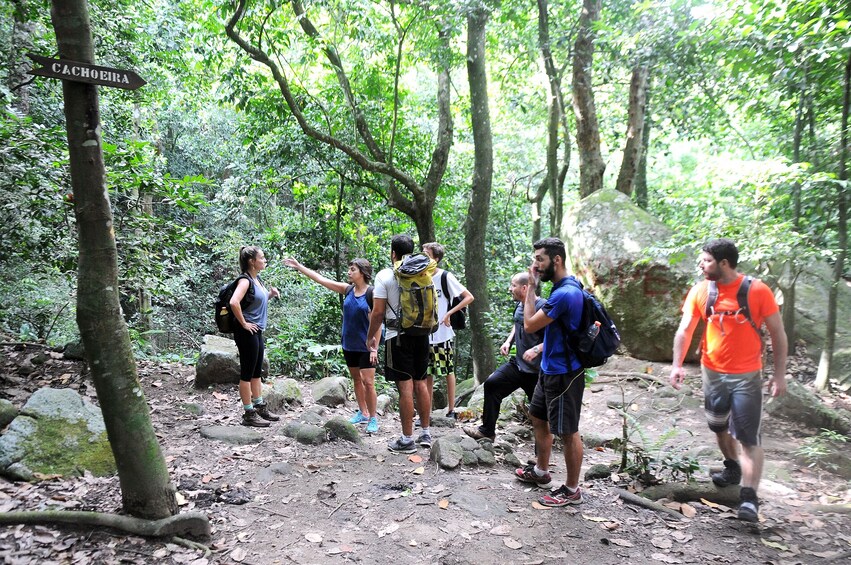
[458,320]
[225,320]
[741,298]
[369,290]
[597,337]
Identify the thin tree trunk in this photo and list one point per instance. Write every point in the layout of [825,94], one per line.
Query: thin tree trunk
[641,174]
[475,228]
[145,488]
[591,165]
[21,43]
[826,359]
[634,130]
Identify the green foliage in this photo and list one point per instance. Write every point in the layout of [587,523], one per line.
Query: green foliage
[38,305]
[818,450]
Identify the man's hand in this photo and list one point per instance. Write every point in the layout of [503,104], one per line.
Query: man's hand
[530,354]
[678,377]
[533,278]
[777,385]
[505,348]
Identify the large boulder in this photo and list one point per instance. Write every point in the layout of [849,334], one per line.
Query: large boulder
[811,299]
[607,238]
[330,391]
[219,362]
[57,433]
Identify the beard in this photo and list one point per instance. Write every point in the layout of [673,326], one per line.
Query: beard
[548,274]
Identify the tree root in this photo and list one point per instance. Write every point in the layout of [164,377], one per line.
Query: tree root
[692,492]
[837,508]
[189,544]
[194,524]
[649,504]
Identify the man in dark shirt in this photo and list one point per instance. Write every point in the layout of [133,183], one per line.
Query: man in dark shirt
[521,371]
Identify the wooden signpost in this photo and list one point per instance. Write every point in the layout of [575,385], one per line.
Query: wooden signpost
[83,72]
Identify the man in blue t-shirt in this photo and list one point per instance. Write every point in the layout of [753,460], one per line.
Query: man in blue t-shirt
[557,400]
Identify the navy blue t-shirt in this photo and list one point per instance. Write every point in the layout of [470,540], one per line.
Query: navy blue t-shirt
[355,321]
[564,306]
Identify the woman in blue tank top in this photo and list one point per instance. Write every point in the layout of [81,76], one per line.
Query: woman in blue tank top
[356,308]
[248,335]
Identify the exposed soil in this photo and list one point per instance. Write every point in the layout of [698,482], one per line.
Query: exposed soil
[341,502]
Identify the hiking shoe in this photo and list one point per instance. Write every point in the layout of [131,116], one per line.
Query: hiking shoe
[424,439]
[399,446]
[372,426]
[749,505]
[527,475]
[476,433]
[358,418]
[263,411]
[731,475]
[561,497]
[252,419]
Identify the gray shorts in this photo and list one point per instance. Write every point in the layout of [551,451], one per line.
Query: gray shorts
[734,402]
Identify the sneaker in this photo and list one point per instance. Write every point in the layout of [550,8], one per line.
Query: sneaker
[372,426]
[528,475]
[399,446]
[424,440]
[476,433]
[358,418]
[417,423]
[252,419]
[561,497]
[749,505]
[263,411]
[731,475]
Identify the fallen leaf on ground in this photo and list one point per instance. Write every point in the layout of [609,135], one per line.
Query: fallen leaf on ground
[621,542]
[503,530]
[220,396]
[595,518]
[516,509]
[181,500]
[662,543]
[388,530]
[538,506]
[415,459]
[444,503]
[688,510]
[611,526]
[238,554]
[709,503]
[664,558]
[511,543]
[775,545]
[313,538]
[419,471]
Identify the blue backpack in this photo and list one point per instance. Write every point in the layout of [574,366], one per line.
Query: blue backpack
[597,337]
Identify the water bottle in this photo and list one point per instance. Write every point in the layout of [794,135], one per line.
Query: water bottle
[590,336]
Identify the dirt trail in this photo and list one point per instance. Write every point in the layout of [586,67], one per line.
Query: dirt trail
[283,502]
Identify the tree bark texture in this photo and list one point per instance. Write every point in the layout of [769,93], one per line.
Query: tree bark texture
[591,165]
[475,228]
[826,359]
[415,198]
[641,173]
[634,130]
[145,488]
[22,42]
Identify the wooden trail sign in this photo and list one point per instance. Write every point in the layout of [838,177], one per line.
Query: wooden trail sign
[83,72]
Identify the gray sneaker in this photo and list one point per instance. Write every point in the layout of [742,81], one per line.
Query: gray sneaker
[424,439]
[399,446]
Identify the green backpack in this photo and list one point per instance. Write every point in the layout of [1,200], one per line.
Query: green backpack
[416,313]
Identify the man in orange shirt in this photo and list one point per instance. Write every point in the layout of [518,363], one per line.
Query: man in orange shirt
[731,363]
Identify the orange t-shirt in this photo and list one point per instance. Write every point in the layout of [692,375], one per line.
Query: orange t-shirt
[731,345]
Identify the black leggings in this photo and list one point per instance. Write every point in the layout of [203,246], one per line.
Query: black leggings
[251,349]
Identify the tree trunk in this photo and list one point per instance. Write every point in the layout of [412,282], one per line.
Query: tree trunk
[591,165]
[145,488]
[641,173]
[826,359]
[475,228]
[634,130]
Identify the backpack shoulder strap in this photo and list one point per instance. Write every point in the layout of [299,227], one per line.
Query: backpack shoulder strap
[742,299]
[349,288]
[369,296]
[711,298]
[445,286]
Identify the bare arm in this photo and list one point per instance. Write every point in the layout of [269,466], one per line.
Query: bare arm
[236,308]
[335,286]
[466,298]
[533,320]
[682,339]
[506,345]
[376,318]
[780,347]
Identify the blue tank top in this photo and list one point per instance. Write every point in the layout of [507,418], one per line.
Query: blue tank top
[355,321]
[257,311]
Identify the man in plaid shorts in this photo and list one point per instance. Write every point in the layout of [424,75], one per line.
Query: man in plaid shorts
[442,342]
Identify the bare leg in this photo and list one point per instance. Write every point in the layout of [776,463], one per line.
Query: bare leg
[430,383]
[370,398]
[543,442]
[423,404]
[359,390]
[406,406]
[728,445]
[450,392]
[572,458]
[245,392]
[751,462]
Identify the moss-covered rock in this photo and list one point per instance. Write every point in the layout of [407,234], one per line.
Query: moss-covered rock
[7,413]
[57,433]
[607,236]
